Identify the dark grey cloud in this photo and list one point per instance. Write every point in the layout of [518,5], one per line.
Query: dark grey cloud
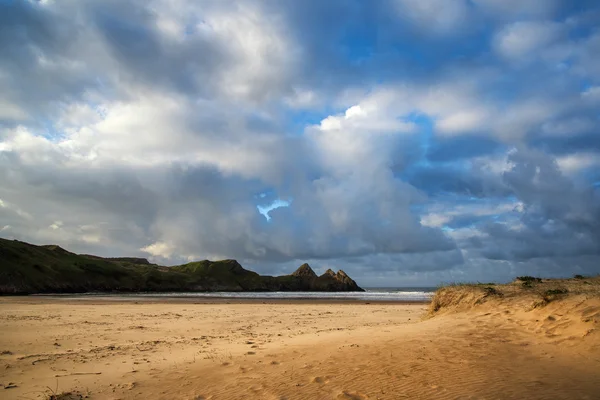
[453,149]
[37,47]
[472,179]
[559,219]
[569,144]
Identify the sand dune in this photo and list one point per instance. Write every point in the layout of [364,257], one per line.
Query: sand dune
[475,345]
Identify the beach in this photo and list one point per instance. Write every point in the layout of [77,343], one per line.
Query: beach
[294,349]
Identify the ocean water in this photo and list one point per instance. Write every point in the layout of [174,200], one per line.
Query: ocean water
[371,294]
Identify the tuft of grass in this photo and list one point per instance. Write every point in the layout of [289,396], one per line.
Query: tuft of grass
[492,291]
[66,396]
[528,278]
[54,395]
[551,292]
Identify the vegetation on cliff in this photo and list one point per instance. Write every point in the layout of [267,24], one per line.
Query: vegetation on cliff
[27,268]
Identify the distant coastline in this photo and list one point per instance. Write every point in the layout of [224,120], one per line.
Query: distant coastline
[30,269]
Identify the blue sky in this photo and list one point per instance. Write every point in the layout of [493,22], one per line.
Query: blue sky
[406,142]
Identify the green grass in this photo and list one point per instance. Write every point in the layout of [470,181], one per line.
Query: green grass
[27,268]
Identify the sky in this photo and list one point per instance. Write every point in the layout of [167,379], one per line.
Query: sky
[407,142]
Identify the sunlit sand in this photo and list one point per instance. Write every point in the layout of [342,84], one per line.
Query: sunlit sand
[469,343]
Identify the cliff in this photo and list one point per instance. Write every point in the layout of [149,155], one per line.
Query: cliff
[27,269]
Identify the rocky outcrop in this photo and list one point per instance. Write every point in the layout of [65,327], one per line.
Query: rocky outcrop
[305,279]
[305,271]
[344,278]
[337,282]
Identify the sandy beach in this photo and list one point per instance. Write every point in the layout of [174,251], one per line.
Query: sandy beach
[190,349]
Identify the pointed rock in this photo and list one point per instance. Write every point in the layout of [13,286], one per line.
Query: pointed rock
[344,278]
[305,271]
[335,282]
[341,274]
[330,273]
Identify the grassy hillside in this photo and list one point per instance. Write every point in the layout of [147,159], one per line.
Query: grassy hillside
[27,268]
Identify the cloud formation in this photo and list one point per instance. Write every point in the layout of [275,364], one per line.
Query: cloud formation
[415,142]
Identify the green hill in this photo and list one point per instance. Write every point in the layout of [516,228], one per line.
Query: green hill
[27,269]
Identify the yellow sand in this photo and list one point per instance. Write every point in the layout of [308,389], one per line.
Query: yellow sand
[177,350]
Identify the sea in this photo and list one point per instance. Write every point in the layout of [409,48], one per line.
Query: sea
[392,294]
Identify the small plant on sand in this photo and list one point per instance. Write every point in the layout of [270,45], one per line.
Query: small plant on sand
[66,396]
[528,281]
[54,395]
[528,278]
[492,291]
[553,294]
[489,291]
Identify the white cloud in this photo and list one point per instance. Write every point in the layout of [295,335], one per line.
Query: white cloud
[437,16]
[568,127]
[262,52]
[574,163]
[523,40]
[369,131]
[520,117]
[56,225]
[466,233]
[303,99]
[592,93]
[366,118]
[463,121]
[12,112]
[435,220]
[441,214]
[160,249]
[14,209]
